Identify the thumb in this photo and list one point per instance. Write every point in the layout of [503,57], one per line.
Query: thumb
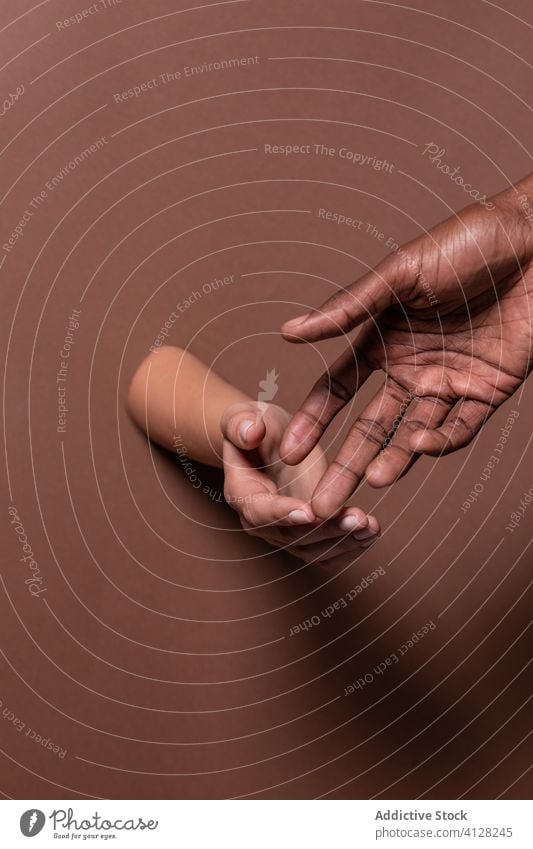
[367,297]
[243,426]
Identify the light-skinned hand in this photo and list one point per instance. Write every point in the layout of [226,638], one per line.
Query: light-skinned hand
[272,498]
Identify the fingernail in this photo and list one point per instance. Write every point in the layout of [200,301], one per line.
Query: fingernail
[299,517]
[368,543]
[349,523]
[299,320]
[244,427]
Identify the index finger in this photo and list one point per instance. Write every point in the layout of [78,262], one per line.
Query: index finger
[332,391]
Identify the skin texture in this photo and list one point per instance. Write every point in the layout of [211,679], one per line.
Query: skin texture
[448,319]
[174,395]
[266,492]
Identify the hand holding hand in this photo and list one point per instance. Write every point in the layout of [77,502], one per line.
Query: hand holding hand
[272,499]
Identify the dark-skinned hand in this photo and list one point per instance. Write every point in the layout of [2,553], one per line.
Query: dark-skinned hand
[449,319]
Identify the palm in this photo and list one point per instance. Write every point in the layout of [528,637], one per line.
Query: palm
[450,325]
[475,341]
[484,356]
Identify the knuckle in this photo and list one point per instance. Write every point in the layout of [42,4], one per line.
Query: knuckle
[434,401]
[395,391]
[409,270]
[336,387]
[317,425]
[321,386]
[346,471]
[371,430]
[396,446]
[459,423]
[346,318]
[412,424]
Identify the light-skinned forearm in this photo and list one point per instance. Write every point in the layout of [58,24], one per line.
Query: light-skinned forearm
[178,402]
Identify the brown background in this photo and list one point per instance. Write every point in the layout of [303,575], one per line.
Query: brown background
[159,656]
